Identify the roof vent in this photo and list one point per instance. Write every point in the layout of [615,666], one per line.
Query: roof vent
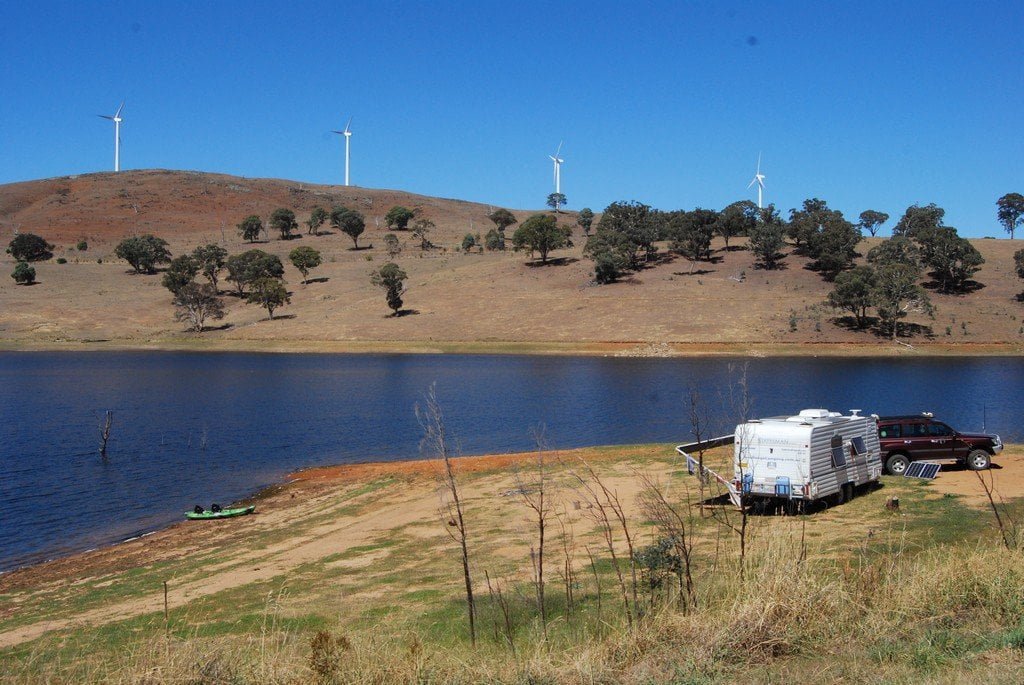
[855,412]
[814,413]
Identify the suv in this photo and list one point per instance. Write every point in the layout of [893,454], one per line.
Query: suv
[904,439]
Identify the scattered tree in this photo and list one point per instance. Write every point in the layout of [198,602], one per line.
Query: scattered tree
[494,240]
[283,221]
[768,238]
[897,293]
[392,245]
[895,250]
[854,291]
[468,242]
[502,219]
[870,221]
[250,228]
[541,233]
[143,252]
[692,232]
[635,222]
[1011,211]
[268,292]
[1018,262]
[391,278]
[952,259]
[349,222]
[556,201]
[421,229]
[735,220]
[398,218]
[585,219]
[24,273]
[316,219]
[181,272]
[305,259]
[28,247]
[211,259]
[918,218]
[196,303]
[611,252]
[246,268]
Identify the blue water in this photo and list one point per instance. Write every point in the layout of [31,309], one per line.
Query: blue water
[198,428]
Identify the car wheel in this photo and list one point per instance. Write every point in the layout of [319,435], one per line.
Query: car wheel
[897,464]
[978,460]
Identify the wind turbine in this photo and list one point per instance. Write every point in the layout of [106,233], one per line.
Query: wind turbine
[759,180]
[117,135]
[348,139]
[558,168]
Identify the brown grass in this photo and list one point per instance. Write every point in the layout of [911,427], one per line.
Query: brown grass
[364,587]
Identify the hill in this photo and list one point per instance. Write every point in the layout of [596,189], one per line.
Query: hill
[491,301]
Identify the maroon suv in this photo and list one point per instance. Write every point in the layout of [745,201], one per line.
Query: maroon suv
[904,439]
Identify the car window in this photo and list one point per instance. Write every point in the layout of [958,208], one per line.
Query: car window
[915,430]
[940,429]
[890,431]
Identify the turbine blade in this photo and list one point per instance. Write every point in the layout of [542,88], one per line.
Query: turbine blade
[752,182]
[559,148]
[104,116]
[118,113]
[348,126]
[340,133]
[759,163]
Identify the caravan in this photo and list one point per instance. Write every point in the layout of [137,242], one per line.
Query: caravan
[810,456]
[814,455]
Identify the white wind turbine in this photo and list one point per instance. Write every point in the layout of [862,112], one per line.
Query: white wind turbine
[348,139]
[558,168]
[759,180]
[117,135]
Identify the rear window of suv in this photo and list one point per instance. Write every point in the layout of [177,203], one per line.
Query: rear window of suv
[890,431]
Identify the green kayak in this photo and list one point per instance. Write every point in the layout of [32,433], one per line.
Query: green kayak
[222,514]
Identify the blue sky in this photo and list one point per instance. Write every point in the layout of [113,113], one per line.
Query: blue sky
[864,104]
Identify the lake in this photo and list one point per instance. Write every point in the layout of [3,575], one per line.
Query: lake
[194,428]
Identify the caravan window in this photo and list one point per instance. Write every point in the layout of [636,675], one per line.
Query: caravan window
[838,453]
[858,445]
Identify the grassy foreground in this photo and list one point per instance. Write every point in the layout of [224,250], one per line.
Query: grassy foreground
[348,575]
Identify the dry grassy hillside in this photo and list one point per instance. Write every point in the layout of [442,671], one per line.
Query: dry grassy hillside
[455,300]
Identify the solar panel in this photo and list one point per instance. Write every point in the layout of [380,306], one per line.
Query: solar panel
[922,469]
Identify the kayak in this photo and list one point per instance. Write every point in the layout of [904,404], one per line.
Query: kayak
[222,514]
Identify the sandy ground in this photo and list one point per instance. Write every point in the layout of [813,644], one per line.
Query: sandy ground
[490,302]
[412,499]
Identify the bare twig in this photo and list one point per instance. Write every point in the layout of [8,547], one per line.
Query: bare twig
[435,438]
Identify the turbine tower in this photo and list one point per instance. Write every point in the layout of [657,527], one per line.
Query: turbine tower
[558,168]
[759,180]
[117,135]
[348,139]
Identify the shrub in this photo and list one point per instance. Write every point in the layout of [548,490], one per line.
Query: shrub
[24,273]
[28,247]
[62,260]
[82,246]
[143,252]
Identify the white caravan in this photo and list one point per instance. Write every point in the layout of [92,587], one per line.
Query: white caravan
[810,456]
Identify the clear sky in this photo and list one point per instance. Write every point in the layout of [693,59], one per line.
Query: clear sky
[864,104]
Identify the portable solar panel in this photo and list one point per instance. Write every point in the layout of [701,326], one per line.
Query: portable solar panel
[922,469]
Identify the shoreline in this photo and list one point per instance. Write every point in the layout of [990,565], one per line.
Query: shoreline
[310,480]
[637,349]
